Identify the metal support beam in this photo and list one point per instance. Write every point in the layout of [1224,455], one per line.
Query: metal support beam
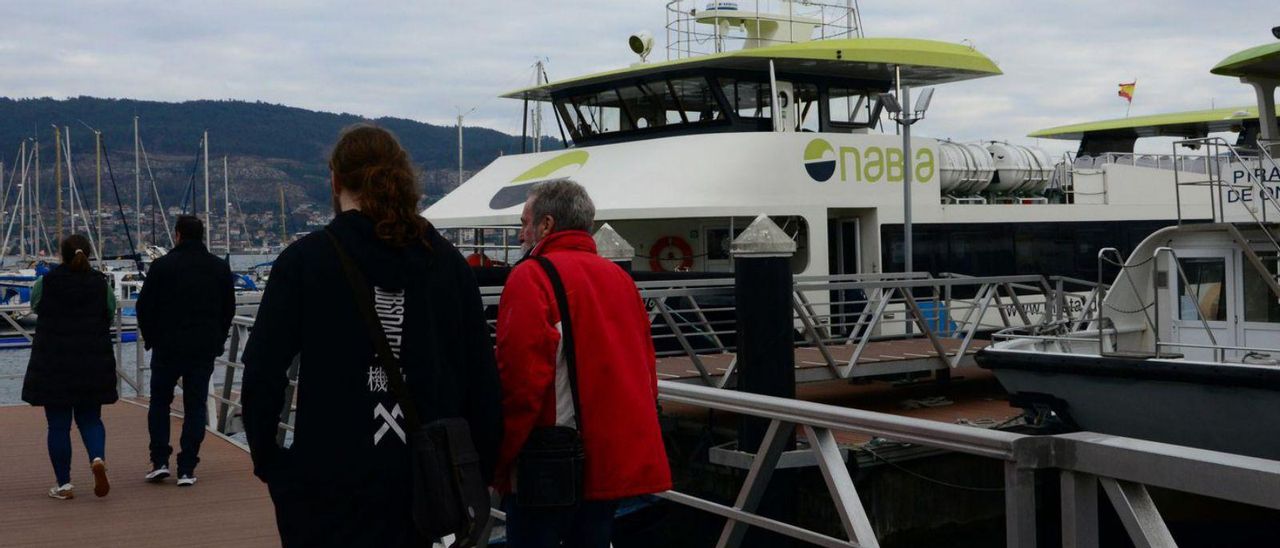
[1079,510]
[853,516]
[776,439]
[1019,506]
[1138,513]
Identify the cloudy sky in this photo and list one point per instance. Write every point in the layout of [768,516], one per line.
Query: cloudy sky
[428,59]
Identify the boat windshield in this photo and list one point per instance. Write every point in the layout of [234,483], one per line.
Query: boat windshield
[649,105]
[683,104]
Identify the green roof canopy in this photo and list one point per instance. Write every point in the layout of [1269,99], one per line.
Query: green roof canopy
[923,62]
[1260,62]
[1178,124]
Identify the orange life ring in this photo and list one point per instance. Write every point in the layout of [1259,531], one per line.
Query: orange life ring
[662,251]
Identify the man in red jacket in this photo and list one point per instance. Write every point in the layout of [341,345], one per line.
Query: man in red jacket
[616,375]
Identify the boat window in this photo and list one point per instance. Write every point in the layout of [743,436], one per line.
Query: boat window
[695,99]
[852,108]
[749,99]
[638,106]
[806,105]
[1205,290]
[647,102]
[1260,304]
[597,113]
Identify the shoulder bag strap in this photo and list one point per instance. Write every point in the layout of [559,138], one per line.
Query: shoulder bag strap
[566,332]
[386,358]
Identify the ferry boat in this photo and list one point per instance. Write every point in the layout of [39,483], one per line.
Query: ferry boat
[1185,346]
[679,155]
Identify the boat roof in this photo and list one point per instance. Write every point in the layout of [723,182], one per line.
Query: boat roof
[1258,62]
[1178,124]
[923,63]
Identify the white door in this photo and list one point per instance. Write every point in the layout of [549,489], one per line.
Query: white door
[1205,301]
[1259,308]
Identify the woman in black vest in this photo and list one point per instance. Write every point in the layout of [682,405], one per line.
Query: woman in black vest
[72,369]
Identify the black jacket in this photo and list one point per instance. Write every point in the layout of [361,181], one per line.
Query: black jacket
[186,304]
[71,357]
[348,466]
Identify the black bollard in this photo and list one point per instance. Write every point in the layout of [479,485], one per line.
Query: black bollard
[612,246]
[766,351]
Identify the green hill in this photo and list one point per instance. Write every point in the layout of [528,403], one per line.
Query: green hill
[269,146]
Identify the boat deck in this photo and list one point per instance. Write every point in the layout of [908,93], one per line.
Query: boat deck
[228,507]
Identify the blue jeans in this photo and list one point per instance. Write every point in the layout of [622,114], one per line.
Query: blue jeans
[195,390]
[589,525]
[88,421]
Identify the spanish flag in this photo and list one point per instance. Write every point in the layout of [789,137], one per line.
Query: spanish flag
[1126,90]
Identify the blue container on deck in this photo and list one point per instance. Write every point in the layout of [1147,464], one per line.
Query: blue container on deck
[936,317]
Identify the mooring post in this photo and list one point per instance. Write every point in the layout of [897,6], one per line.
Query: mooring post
[612,246]
[766,349]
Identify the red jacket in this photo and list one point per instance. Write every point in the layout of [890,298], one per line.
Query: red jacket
[617,376]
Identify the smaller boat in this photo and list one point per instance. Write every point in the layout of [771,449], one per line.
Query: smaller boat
[1184,347]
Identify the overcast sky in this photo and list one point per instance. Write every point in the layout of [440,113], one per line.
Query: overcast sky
[426,59]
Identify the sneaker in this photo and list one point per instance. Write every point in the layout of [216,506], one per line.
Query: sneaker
[62,492]
[100,484]
[157,474]
[186,480]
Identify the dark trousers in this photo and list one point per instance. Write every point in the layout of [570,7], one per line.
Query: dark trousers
[589,525]
[88,421]
[195,390]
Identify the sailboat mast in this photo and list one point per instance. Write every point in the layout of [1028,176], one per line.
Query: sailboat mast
[137,183]
[57,179]
[22,203]
[97,151]
[283,227]
[208,228]
[226,204]
[35,207]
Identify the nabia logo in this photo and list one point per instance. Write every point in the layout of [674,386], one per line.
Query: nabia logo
[870,164]
[558,167]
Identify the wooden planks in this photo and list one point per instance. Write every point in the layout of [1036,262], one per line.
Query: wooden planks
[228,507]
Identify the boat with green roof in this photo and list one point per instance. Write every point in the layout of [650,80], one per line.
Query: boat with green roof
[786,108]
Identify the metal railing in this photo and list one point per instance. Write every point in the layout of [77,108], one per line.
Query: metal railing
[843,317]
[1083,462]
[689,35]
[497,244]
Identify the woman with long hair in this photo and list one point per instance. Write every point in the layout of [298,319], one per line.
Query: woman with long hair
[72,371]
[346,479]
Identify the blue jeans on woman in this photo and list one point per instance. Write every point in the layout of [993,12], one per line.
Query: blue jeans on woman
[89,421]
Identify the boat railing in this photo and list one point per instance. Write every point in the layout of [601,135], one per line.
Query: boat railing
[1220,350]
[491,245]
[690,30]
[1219,154]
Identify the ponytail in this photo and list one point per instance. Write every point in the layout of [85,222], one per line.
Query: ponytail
[75,253]
[369,162]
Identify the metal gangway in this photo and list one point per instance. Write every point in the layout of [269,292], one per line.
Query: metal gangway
[1089,469]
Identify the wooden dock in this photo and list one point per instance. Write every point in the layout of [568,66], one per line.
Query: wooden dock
[878,358]
[227,507]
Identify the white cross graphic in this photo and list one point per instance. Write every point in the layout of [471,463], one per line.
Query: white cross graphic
[389,422]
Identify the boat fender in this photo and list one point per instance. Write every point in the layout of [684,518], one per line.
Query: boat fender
[670,248]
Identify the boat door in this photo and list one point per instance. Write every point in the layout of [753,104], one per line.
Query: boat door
[1207,298]
[845,256]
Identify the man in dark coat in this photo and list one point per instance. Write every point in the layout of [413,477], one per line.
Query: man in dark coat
[184,313]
